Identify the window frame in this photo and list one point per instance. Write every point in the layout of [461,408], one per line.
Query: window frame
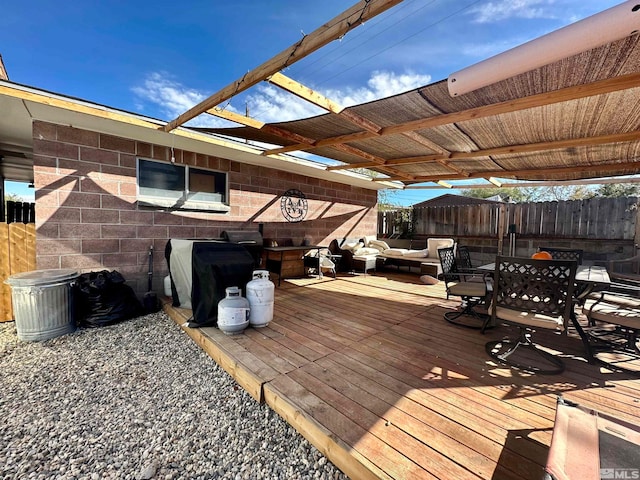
[147,199]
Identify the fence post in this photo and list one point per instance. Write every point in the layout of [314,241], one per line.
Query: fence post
[502,221]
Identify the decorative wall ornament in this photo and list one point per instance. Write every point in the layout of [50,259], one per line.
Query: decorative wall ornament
[293,205]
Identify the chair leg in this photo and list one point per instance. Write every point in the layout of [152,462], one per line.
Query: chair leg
[501,350]
[468,311]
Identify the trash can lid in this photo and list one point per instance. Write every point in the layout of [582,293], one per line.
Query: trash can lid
[42,277]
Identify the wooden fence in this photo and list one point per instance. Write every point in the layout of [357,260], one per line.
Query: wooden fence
[17,254]
[593,219]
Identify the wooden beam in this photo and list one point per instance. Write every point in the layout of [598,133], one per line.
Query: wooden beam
[425,142]
[3,70]
[308,94]
[634,165]
[600,87]
[305,93]
[554,183]
[623,82]
[508,149]
[345,22]
[321,101]
[236,117]
[388,170]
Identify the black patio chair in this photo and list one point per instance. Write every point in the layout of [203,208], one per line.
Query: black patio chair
[466,268]
[559,253]
[531,294]
[472,293]
[612,336]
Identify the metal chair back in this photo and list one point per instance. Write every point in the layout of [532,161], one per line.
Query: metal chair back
[564,253]
[449,265]
[537,286]
[464,258]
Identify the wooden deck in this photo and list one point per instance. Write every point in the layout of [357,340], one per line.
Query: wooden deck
[368,371]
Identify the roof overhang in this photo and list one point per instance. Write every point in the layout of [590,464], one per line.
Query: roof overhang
[21,105]
[560,108]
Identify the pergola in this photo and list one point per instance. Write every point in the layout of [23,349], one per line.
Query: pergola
[573,119]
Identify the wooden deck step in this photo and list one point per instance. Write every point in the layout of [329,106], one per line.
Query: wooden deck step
[366,368]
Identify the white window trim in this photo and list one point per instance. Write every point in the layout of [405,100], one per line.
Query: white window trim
[181,203]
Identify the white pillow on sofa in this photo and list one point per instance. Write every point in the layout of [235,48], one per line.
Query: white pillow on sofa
[416,253]
[433,244]
[367,239]
[381,245]
[352,246]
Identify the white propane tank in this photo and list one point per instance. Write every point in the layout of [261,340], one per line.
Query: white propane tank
[233,312]
[167,285]
[260,292]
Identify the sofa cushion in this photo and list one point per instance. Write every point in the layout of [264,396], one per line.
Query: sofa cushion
[352,246]
[379,244]
[433,244]
[366,251]
[416,253]
[367,239]
[395,252]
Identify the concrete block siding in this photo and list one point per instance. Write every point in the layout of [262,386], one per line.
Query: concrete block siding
[87,216]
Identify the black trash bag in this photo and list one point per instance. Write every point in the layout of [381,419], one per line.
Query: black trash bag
[103,298]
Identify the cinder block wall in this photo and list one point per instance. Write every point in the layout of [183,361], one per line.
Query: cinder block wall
[87,217]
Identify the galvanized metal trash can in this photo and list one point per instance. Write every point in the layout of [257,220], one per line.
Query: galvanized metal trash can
[43,303]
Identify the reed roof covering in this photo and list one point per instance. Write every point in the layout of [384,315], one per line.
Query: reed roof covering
[577,118]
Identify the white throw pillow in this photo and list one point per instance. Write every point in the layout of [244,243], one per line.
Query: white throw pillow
[433,244]
[368,239]
[352,246]
[379,244]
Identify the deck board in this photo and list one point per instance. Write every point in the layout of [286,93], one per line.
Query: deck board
[368,371]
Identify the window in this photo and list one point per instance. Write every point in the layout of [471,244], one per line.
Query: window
[183,187]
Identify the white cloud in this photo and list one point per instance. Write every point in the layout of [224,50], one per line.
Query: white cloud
[173,99]
[505,9]
[271,104]
[381,84]
[268,103]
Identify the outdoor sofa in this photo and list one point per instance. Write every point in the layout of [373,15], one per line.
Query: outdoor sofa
[370,253]
[426,260]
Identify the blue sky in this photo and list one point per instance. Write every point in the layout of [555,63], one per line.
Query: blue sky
[159,58]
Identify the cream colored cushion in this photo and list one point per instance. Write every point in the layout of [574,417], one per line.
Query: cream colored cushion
[416,253]
[367,239]
[325,262]
[395,252]
[465,289]
[352,246]
[612,313]
[531,319]
[379,244]
[366,251]
[433,244]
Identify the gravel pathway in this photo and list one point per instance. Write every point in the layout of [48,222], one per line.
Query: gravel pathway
[137,400]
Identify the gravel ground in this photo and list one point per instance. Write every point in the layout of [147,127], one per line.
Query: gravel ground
[137,400]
